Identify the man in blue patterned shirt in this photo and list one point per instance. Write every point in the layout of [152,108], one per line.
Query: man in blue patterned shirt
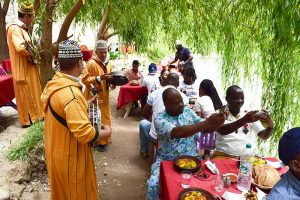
[176,128]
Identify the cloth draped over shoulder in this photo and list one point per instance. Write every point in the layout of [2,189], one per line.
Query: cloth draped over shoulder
[26,76]
[68,151]
[93,69]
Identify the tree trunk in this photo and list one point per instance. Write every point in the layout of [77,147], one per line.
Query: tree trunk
[46,45]
[4,54]
[63,33]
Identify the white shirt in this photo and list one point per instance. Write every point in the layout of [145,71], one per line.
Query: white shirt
[151,82]
[235,143]
[156,101]
[204,105]
[189,90]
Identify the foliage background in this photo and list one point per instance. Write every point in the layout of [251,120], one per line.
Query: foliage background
[254,38]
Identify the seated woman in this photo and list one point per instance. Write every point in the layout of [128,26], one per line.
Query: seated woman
[207,103]
[188,85]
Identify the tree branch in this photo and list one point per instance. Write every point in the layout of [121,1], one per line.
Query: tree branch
[110,35]
[103,23]
[36,5]
[5,6]
[68,20]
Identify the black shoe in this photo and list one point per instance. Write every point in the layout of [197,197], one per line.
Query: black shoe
[100,148]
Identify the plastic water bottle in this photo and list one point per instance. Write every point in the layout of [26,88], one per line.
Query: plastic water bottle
[245,173]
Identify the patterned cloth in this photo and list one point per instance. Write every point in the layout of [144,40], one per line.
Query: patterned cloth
[170,148]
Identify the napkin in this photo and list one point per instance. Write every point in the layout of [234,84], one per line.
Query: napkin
[232,196]
[276,164]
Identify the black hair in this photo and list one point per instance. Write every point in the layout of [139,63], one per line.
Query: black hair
[167,92]
[21,15]
[135,62]
[210,90]
[173,79]
[231,89]
[190,72]
[68,63]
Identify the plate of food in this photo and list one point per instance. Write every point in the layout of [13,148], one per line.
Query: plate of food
[134,83]
[195,194]
[187,163]
[256,160]
[250,195]
[265,176]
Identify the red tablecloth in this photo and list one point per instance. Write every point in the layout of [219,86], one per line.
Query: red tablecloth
[170,179]
[87,54]
[6,89]
[130,93]
[7,65]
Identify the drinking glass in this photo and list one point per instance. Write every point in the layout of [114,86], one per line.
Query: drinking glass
[186,178]
[218,183]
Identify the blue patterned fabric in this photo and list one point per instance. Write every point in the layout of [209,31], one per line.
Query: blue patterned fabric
[170,148]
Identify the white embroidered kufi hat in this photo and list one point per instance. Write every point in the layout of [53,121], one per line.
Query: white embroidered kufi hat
[101,44]
[69,49]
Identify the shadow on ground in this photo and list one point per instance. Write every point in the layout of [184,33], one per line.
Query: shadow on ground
[121,172]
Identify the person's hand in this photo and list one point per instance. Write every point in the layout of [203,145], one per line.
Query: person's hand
[104,127]
[251,117]
[92,100]
[112,86]
[265,118]
[214,122]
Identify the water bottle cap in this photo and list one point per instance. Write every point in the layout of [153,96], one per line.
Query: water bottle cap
[248,145]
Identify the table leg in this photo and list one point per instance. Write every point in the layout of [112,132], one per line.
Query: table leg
[128,109]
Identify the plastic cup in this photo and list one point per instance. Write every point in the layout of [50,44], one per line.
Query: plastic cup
[218,183]
[186,179]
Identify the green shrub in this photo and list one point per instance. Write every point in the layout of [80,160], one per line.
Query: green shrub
[32,140]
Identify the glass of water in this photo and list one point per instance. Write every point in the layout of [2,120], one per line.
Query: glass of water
[218,183]
[186,179]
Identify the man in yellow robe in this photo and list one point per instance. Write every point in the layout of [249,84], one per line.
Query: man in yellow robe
[26,76]
[96,73]
[68,131]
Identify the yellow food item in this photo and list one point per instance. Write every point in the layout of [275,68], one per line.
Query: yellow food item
[257,161]
[194,195]
[186,163]
[250,196]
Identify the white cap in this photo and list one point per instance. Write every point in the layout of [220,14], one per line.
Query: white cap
[178,42]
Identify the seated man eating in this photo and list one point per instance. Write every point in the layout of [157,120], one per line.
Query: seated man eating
[240,128]
[176,128]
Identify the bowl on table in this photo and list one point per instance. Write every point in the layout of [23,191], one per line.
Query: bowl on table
[233,177]
[195,193]
[265,176]
[187,163]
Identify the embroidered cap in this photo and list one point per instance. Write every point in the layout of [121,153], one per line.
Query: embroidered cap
[26,8]
[101,44]
[69,49]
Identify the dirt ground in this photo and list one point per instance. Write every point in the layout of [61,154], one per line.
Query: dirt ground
[121,172]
